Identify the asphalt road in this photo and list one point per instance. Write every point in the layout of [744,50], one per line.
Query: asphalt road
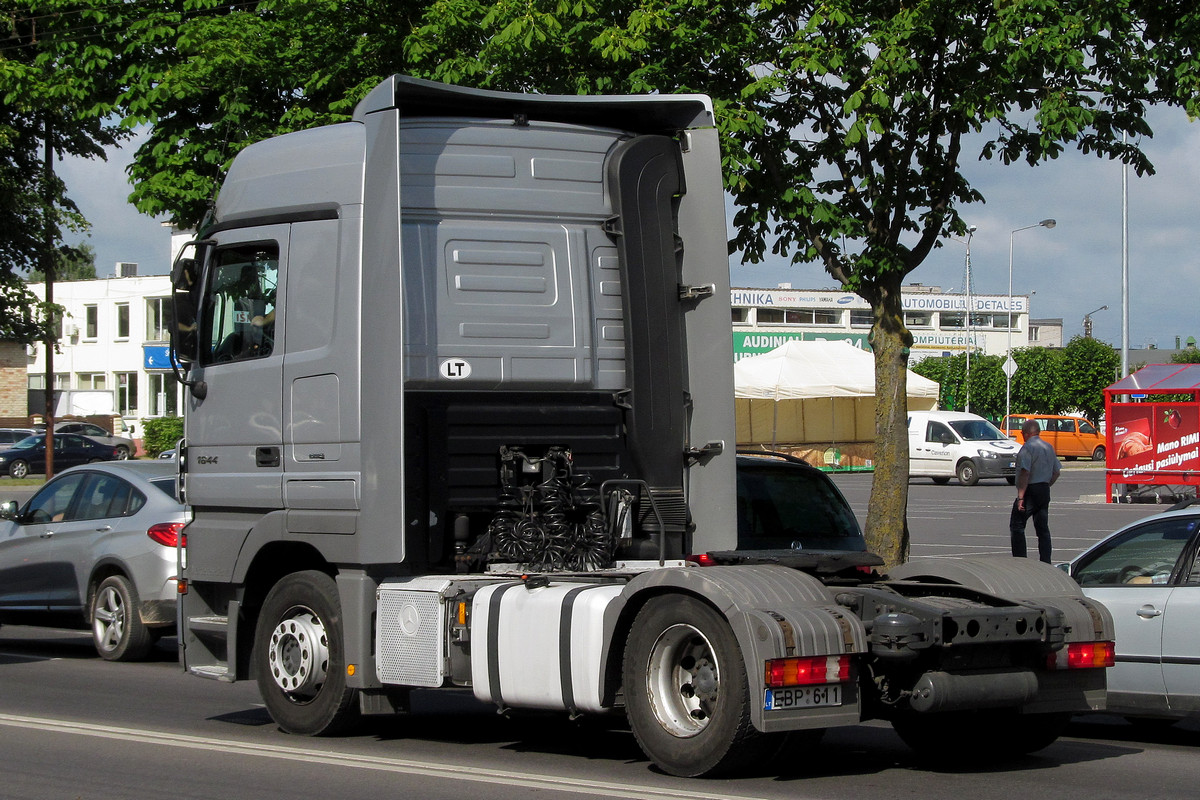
[956,520]
[74,727]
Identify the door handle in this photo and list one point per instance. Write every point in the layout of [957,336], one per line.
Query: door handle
[266,457]
[47,535]
[1149,612]
[104,529]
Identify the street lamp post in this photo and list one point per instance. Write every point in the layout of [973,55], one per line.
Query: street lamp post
[1008,368]
[1087,321]
[967,288]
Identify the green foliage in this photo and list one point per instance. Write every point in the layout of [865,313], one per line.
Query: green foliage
[161,433]
[1189,355]
[1070,380]
[52,81]
[1088,367]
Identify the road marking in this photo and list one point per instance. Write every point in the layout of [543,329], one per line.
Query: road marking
[455,772]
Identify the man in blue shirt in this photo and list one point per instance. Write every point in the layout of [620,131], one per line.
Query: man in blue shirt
[1037,470]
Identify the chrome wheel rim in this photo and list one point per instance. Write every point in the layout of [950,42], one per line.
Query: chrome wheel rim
[298,654]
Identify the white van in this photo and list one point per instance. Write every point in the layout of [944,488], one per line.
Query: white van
[946,444]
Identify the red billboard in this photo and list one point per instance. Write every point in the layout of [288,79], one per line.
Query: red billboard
[1154,442]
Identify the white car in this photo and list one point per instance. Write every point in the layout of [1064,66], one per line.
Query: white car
[1148,575]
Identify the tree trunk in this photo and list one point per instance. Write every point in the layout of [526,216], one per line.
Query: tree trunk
[887,512]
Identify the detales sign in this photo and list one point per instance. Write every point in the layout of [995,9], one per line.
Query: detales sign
[787,298]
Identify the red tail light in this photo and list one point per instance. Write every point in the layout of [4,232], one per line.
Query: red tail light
[809,671]
[1083,655]
[702,560]
[168,533]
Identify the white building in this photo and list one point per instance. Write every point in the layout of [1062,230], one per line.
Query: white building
[763,319]
[115,338]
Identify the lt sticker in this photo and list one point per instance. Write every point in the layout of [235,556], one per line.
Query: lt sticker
[455,369]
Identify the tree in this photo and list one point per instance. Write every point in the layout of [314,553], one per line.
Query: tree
[70,264]
[52,83]
[1089,366]
[846,122]
[1037,384]
[1189,355]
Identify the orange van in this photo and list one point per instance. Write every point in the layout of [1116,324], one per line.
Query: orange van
[1071,437]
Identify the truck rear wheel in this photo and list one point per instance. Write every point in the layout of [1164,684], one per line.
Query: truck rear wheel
[686,693]
[979,736]
[298,658]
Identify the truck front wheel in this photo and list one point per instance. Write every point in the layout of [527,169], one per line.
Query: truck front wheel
[298,658]
[978,736]
[686,693]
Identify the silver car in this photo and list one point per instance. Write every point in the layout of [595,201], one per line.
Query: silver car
[96,547]
[1148,574]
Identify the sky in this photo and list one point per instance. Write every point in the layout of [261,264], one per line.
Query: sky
[1068,271]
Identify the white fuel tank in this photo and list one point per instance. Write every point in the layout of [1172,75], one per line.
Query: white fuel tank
[540,648]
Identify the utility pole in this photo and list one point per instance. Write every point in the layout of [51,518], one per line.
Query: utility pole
[47,259]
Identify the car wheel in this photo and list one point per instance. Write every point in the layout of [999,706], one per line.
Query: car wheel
[977,737]
[941,481]
[298,656]
[122,453]
[1098,454]
[686,693]
[117,628]
[1011,480]
[967,474]
[18,469]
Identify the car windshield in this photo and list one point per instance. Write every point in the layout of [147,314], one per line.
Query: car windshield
[977,430]
[28,443]
[786,508]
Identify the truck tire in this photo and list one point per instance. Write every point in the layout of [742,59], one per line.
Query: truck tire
[941,481]
[686,693]
[298,657]
[117,629]
[977,737]
[968,475]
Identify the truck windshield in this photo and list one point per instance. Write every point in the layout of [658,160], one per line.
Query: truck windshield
[977,430]
[786,507]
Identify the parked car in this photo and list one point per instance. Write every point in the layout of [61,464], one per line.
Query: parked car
[10,436]
[947,444]
[1071,437]
[1148,575]
[126,445]
[29,455]
[96,547]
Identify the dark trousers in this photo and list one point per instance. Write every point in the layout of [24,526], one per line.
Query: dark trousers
[1037,505]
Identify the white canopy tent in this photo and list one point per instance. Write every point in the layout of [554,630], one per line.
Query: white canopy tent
[813,392]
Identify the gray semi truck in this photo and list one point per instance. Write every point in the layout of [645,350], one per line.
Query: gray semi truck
[460,414]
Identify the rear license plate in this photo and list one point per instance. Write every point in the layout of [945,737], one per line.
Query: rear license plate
[806,697]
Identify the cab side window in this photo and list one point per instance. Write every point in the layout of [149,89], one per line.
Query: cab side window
[937,433]
[239,305]
[1086,427]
